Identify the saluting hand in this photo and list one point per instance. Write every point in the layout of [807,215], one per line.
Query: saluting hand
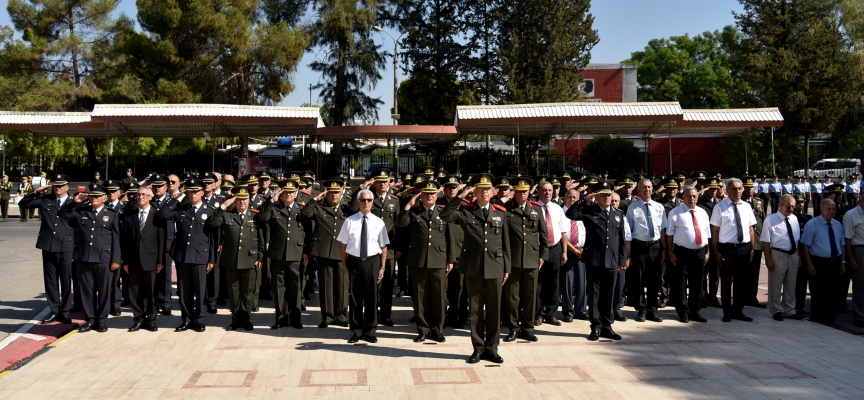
[41,189]
[228,203]
[411,202]
[80,197]
[320,196]
[466,192]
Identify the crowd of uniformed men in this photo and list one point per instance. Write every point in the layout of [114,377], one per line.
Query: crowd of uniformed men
[477,249]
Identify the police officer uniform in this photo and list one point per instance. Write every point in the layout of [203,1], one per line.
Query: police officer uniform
[97,252]
[119,284]
[192,255]
[485,228]
[529,245]
[241,260]
[214,277]
[164,279]
[286,247]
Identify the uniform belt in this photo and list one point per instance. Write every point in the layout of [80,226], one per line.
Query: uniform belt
[679,247]
[790,252]
[735,245]
[651,243]
[826,258]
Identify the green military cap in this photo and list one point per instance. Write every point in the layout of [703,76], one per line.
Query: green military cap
[293,176]
[440,174]
[450,180]
[131,187]
[835,188]
[264,176]
[240,192]
[288,186]
[158,179]
[710,183]
[799,198]
[680,175]
[227,185]
[112,185]
[565,176]
[522,184]
[638,177]
[467,178]
[418,179]
[580,177]
[273,185]
[669,182]
[249,179]
[381,174]
[556,181]
[602,188]
[698,175]
[502,181]
[302,183]
[57,179]
[748,182]
[97,189]
[427,170]
[540,179]
[333,185]
[193,185]
[591,180]
[407,176]
[430,186]
[308,174]
[482,181]
[625,180]
[207,177]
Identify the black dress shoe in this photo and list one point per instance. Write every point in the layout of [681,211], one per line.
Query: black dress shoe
[726,317]
[256,309]
[621,318]
[420,338]
[640,317]
[567,319]
[387,322]
[493,357]
[166,313]
[51,317]
[354,338]
[595,335]
[247,326]
[212,310]
[102,328]
[799,317]
[654,317]
[683,318]
[528,335]
[64,319]
[474,358]
[323,324]
[151,326]
[778,316]
[183,327]
[135,327]
[369,338]
[87,327]
[115,313]
[438,337]
[199,327]
[400,294]
[608,333]
[231,327]
[511,336]
[741,317]
[695,316]
[302,307]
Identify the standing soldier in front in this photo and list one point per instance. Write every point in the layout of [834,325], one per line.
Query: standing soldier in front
[427,258]
[605,254]
[242,261]
[97,252]
[196,256]
[487,270]
[529,249]
[55,241]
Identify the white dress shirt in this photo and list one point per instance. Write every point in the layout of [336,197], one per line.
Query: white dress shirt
[723,216]
[775,233]
[683,231]
[352,229]
[558,221]
[580,239]
[853,226]
[637,218]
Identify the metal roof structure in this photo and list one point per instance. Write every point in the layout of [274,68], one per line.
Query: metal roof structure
[170,120]
[416,132]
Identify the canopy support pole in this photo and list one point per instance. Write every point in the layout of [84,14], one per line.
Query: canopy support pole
[670,154]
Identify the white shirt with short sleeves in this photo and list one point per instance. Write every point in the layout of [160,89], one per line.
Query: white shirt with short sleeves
[376,234]
[723,216]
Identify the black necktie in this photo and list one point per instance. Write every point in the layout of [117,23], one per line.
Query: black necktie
[430,214]
[833,240]
[791,236]
[59,203]
[364,238]
[485,213]
[111,206]
[650,220]
[738,227]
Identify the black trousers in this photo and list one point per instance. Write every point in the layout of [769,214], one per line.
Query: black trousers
[817,201]
[403,273]
[213,284]
[823,289]
[163,285]
[241,282]
[118,281]
[801,281]
[333,290]
[457,298]
[851,199]
[363,276]
[57,275]
[775,200]
[548,287]
[286,279]
[428,296]
[385,291]
[618,292]
[733,273]
[4,208]
[644,272]
[141,285]
[222,293]
[601,292]
[312,280]
[751,278]
[76,288]
[520,294]
[95,280]
[711,277]
[484,294]
[687,273]
[191,280]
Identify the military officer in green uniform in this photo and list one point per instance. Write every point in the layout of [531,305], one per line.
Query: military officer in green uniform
[707,201]
[241,260]
[669,200]
[485,261]
[286,248]
[457,296]
[752,274]
[624,188]
[529,249]
[427,258]
[326,218]
[502,185]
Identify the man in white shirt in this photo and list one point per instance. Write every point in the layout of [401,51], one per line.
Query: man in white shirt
[853,230]
[687,238]
[780,236]
[363,239]
[557,229]
[647,221]
[572,278]
[733,242]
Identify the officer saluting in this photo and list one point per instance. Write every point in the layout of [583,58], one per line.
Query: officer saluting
[241,261]
[485,271]
[97,252]
[605,254]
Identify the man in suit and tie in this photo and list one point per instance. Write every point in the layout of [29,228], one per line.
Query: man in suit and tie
[97,251]
[196,255]
[605,255]
[55,241]
[164,280]
[485,262]
[143,257]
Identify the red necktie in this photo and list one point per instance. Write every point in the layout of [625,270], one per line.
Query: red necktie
[549,226]
[696,228]
[574,233]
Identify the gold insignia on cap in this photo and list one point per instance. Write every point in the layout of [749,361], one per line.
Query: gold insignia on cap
[430,185]
[483,179]
[334,184]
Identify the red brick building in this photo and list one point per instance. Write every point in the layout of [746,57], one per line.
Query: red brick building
[610,83]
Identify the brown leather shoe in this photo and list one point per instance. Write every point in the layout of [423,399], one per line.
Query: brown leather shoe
[553,321]
[538,322]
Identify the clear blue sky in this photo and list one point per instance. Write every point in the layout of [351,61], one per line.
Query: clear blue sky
[624,26]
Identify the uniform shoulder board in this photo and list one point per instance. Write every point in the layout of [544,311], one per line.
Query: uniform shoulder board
[254,210]
[111,209]
[301,204]
[440,206]
[637,198]
[469,205]
[211,207]
[394,196]
[536,203]
[499,207]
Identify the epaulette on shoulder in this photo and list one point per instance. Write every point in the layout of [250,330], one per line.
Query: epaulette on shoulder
[499,207]
[536,203]
[469,206]
[394,196]
[637,198]
[112,210]
[255,210]
[440,206]
[301,204]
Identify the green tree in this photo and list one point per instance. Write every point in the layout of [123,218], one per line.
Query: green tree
[613,155]
[795,56]
[481,21]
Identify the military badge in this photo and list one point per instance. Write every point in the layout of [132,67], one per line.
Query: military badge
[204,217]
[105,218]
[617,219]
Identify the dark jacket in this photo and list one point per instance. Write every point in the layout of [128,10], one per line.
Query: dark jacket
[604,238]
[195,242]
[326,226]
[55,234]
[237,253]
[142,249]
[286,233]
[455,238]
[486,250]
[96,236]
[427,244]
[529,238]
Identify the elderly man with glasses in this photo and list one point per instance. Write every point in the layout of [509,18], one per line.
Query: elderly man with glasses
[780,236]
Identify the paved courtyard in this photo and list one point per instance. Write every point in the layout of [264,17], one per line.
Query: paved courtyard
[762,359]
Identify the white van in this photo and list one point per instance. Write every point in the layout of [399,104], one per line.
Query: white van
[833,167]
